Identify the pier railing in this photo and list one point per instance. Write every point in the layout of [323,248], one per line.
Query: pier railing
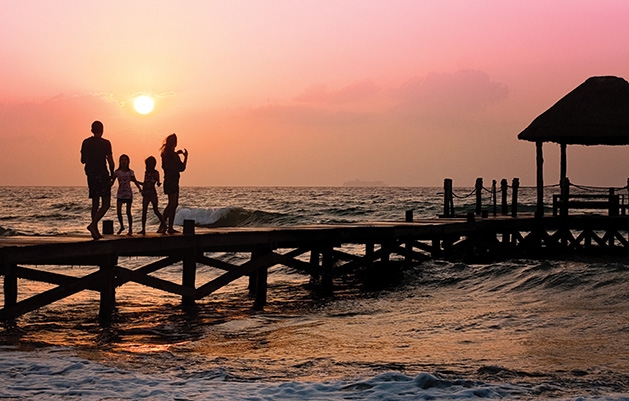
[585,198]
[481,208]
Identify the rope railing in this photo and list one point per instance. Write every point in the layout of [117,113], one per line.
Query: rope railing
[489,196]
[464,196]
[597,189]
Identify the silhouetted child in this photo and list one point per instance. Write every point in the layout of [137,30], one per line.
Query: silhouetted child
[149,194]
[125,176]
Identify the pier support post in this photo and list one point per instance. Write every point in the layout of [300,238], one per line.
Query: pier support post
[314,265]
[479,196]
[448,202]
[494,197]
[107,289]
[565,196]
[386,254]
[503,190]
[514,197]
[327,265]
[10,285]
[188,275]
[435,249]
[614,203]
[408,257]
[261,283]
[108,227]
[188,227]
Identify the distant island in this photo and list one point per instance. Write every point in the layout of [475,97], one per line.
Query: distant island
[359,183]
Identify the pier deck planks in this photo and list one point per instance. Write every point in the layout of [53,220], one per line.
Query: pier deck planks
[492,237]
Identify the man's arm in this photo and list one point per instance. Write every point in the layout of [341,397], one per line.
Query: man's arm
[112,166]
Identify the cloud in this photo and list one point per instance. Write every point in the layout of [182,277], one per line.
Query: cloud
[320,94]
[460,93]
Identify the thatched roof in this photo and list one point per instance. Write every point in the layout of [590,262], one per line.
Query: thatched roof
[594,113]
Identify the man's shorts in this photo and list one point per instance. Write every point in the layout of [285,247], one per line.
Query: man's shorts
[99,186]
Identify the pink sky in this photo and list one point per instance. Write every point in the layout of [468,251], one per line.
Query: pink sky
[304,92]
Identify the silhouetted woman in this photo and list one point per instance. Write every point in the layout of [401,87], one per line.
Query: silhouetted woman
[172,166]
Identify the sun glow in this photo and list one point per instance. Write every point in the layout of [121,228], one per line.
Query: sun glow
[143,104]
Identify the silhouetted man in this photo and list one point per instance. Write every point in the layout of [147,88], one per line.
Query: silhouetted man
[96,154]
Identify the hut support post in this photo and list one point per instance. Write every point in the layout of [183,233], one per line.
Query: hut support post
[563,171]
[539,212]
[107,289]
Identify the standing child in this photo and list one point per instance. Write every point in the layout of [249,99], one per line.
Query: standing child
[149,194]
[125,176]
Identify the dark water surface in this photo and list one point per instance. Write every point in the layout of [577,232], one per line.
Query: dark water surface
[521,328]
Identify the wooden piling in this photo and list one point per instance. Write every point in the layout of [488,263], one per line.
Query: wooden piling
[565,196]
[408,257]
[503,190]
[479,196]
[261,284]
[614,202]
[108,227]
[315,268]
[515,185]
[327,265]
[107,289]
[10,285]
[188,227]
[494,197]
[448,202]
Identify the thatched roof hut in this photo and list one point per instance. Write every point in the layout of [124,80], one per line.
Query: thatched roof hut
[594,113]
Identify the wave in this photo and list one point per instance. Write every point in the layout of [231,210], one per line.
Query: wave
[231,217]
[7,232]
[603,279]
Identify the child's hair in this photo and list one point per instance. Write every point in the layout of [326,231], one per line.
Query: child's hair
[123,156]
[150,162]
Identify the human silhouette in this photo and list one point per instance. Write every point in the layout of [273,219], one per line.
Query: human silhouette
[96,154]
[149,193]
[172,166]
[124,196]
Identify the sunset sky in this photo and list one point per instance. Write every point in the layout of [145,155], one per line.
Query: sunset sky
[285,92]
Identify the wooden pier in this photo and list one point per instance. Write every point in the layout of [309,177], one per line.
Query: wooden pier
[318,251]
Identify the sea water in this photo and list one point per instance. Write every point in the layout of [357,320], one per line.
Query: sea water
[522,329]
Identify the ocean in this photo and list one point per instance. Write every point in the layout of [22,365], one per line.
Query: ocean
[516,329]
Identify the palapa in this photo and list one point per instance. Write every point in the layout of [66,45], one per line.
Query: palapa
[594,113]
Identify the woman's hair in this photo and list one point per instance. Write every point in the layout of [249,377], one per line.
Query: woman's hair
[169,143]
[150,162]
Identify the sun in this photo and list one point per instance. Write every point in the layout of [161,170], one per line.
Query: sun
[143,104]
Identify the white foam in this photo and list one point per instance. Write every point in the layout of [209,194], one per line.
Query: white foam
[201,216]
[58,375]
